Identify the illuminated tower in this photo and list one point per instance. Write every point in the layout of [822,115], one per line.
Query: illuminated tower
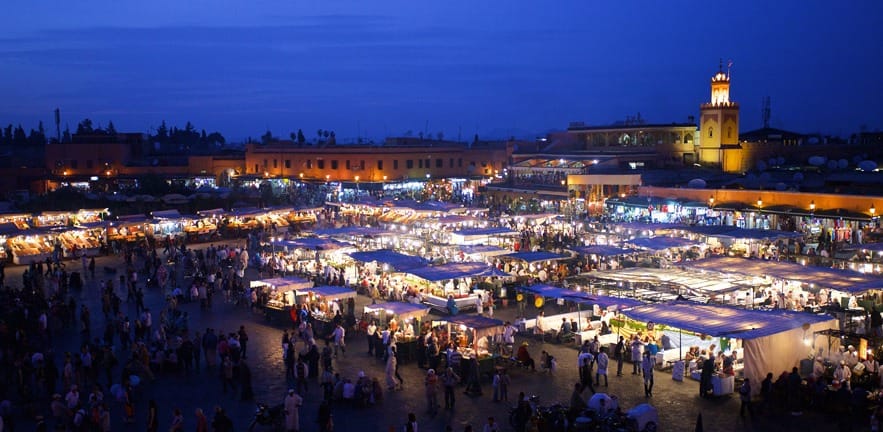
[719,126]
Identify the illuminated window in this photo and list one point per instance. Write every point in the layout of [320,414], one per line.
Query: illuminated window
[710,132]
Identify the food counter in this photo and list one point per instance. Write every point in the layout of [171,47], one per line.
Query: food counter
[74,242]
[30,248]
[53,218]
[200,229]
[128,229]
[21,220]
[441,303]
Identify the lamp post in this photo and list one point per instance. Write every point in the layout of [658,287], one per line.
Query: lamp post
[812,206]
[357,186]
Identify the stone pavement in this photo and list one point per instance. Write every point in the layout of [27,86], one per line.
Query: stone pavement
[678,402]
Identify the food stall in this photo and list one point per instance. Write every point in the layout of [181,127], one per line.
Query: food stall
[453,280]
[84,238]
[403,320]
[277,217]
[474,336]
[277,295]
[21,220]
[32,246]
[241,220]
[320,299]
[484,236]
[87,216]
[7,230]
[199,229]
[127,229]
[166,223]
[53,219]
[775,340]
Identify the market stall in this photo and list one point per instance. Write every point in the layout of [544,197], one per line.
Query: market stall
[453,280]
[166,224]
[34,245]
[53,219]
[88,216]
[771,340]
[85,238]
[21,220]
[388,260]
[323,301]
[484,236]
[278,295]
[7,230]
[474,338]
[240,220]
[403,321]
[128,229]
[199,228]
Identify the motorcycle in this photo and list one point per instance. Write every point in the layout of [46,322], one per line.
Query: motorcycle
[268,416]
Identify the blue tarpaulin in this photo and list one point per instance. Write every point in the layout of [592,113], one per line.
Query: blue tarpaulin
[396,260]
[401,309]
[353,231]
[723,321]
[311,243]
[661,243]
[328,291]
[455,270]
[820,277]
[485,231]
[603,250]
[556,292]
[9,229]
[482,249]
[473,321]
[532,257]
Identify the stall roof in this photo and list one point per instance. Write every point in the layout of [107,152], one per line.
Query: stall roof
[455,219]
[166,214]
[129,219]
[455,270]
[604,302]
[473,321]
[329,291]
[532,257]
[245,211]
[840,280]
[741,233]
[311,243]
[645,226]
[661,243]
[555,292]
[604,250]
[286,282]
[396,260]
[402,309]
[483,249]
[438,206]
[9,229]
[871,247]
[485,231]
[354,231]
[89,225]
[723,321]
[212,212]
[694,281]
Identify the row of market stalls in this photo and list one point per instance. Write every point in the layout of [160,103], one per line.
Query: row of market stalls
[29,238]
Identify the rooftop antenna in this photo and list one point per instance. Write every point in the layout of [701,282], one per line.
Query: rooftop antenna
[729,66]
[765,112]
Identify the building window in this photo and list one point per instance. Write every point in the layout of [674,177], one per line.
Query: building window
[74,164]
[334,164]
[275,163]
[729,132]
[321,164]
[256,169]
[347,164]
[309,164]
[362,165]
[395,164]
[287,163]
[451,163]
[410,163]
[710,132]
[483,164]
[439,163]
[380,165]
[420,163]
[460,163]
[265,163]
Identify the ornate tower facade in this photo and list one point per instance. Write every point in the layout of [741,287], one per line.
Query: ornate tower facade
[719,127]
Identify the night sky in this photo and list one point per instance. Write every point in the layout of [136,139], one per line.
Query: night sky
[379,68]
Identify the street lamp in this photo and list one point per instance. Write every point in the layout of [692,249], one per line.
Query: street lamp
[711,202]
[873,210]
[812,206]
[759,203]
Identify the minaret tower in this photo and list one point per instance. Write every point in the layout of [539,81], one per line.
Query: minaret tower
[719,126]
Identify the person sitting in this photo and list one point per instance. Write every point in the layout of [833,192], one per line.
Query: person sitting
[523,356]
[605,329]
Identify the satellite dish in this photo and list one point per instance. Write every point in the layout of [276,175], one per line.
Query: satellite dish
[867,165]
[696,183]
[817,160]
[832,164]
[798,177]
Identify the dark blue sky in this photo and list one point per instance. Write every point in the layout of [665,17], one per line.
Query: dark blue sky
[381,68]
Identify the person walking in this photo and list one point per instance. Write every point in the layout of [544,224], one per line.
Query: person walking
[243,342]
[201,421]
[647,370]
[227,374]
[450,380]
[411,425]
[152,417]
[177,421]
[338,334]
[292,405]
[636,347]
[391,365]
[618,355]
[745,398]
[603,360]
[431,383]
